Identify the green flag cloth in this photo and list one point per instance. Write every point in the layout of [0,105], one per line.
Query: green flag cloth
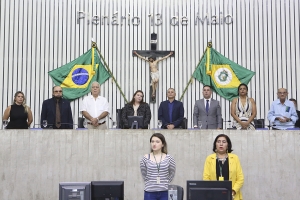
[223,75]
[76,76]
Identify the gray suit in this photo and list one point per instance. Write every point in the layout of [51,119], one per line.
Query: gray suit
[210,120]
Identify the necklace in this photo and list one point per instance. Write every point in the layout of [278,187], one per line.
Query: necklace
[158,168]
[222,159]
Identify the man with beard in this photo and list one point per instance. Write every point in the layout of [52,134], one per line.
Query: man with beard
[57,111]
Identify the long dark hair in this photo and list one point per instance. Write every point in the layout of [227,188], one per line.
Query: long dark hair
[164,149]
[229,147]
[133,100]
[242,84]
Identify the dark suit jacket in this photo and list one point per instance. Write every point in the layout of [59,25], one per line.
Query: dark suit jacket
[143,110]
[49,113]
[210,120]
[177,113]
[297,124]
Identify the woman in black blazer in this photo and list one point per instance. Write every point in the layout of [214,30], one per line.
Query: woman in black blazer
[137,107]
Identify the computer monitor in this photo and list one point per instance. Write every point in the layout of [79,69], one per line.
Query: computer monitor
[75,191]
[136,121]
[209,190]
[103,190]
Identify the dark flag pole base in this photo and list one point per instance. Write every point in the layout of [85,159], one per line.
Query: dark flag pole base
[152,98]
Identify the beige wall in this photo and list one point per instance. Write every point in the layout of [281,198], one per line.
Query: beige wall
[33,162]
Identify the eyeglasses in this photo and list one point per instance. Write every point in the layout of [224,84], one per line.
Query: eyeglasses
[58,91]
[281,92]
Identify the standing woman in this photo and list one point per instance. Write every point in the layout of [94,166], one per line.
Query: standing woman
[137,107]
[243,109]
[19,113]
[158,169]
[223,165]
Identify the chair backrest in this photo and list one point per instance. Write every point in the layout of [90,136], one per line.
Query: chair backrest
[80,122]
[183,124]
[180,191]
[259,123]
[119,118]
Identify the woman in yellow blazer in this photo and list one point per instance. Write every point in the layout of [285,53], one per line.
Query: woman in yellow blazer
[223,165]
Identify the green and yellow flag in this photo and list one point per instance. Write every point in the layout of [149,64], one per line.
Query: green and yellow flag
[76,76]
[223,75]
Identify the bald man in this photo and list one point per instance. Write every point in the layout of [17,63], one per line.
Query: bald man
[282,114]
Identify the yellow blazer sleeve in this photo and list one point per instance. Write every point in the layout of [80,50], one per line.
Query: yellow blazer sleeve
[238,176]
[209,171]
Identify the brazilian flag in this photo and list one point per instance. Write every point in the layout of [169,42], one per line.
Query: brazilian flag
[76,76]
[223,75]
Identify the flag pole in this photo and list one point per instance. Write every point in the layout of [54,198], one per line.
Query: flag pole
[94,45]
[209,44]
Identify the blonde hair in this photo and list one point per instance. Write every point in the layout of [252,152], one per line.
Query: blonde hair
[26,108]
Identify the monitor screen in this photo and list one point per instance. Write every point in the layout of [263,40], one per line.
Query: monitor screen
[75,191]
[102,190]
[209,190]
[137,119]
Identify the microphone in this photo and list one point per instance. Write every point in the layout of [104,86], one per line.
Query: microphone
[114,123]
[207,124]
[49,126]
[111,119]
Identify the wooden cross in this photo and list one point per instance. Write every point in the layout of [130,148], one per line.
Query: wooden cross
[153,53]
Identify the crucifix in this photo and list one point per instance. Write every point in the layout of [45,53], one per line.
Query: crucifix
[151,55]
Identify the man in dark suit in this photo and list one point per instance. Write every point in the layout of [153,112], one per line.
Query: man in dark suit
[297,124]
[171,111]
[208,111]
[57,111]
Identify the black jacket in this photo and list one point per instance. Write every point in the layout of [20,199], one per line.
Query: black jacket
[143,110]
[297,124]
[49,113]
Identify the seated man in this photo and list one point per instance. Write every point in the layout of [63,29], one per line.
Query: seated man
[282,114]
[171,112]
[297,124]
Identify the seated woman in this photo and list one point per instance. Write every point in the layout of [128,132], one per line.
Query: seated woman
[137,107]
[243,109]
[19,113]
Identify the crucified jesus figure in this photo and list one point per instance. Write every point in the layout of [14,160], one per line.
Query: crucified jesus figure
[153,70]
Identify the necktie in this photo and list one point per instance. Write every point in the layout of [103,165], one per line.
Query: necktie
[207,106]
[57,117]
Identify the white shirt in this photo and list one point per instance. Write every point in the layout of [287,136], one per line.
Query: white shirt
[95,107]
[205,100]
